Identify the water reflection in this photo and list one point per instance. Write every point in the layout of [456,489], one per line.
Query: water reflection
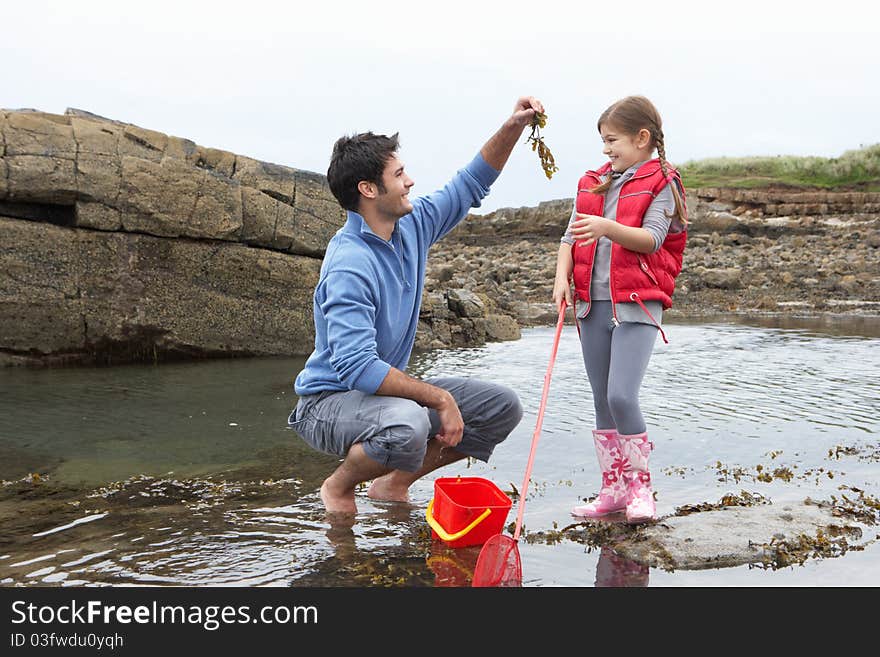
[453,567]
[340,533]
[614,570]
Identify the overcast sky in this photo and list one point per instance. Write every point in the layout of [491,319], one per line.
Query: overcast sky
[280,82]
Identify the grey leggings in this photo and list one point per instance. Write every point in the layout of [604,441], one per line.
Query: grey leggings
[616,359]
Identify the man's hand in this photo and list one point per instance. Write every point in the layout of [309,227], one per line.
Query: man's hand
[524,111]
[400,384]
[451,422]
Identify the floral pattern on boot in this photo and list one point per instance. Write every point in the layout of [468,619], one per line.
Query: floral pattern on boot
[615,467]
[640,507]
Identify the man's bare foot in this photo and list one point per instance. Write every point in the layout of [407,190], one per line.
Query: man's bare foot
[337,504]
[385,489]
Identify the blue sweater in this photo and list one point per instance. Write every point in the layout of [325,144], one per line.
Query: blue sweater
[366,303]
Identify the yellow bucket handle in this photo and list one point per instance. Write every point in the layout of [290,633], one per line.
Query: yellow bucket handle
[442,533]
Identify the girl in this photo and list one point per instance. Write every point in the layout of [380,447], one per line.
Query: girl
[622,250]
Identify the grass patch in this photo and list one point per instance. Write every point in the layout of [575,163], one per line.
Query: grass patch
[855,169]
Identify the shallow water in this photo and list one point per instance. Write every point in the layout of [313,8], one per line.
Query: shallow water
[186,474]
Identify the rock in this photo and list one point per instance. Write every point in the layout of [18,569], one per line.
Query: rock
[742,255]
[501,327]
[728,278]
[125,244]
[720,222]
[465,303]
[848,283]
[444,273]
[767,302]
[123,177]
[171,199]
[534,314]
[72,295]
[730,536]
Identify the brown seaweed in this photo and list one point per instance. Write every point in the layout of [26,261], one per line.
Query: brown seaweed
[538,145]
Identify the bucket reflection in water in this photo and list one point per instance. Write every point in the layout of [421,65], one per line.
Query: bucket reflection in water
[453,567]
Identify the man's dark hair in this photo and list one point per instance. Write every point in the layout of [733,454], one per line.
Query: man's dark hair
[356,158]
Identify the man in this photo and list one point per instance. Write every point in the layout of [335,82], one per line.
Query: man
[355,399]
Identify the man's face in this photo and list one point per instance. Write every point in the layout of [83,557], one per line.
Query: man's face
[394,201]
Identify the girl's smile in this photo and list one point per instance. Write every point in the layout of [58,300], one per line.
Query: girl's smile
[625,150]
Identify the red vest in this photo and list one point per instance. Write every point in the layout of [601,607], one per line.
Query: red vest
[644,276]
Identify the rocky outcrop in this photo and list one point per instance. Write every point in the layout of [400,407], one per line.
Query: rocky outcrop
[739,530]
[508,259]
[75,296]
[735,536]
[749,252]
[121,243]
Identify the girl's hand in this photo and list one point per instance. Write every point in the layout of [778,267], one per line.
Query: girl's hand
[561,292]
[590,227]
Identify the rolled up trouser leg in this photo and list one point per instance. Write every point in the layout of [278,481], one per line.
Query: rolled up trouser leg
[393,431]
[490,411]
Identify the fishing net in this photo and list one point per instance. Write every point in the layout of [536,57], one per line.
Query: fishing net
[498,564]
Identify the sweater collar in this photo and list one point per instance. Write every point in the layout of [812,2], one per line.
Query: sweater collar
[629,173]
[356,225]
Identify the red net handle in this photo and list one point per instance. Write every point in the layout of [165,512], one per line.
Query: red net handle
[537,434]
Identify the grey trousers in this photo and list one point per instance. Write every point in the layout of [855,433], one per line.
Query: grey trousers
[616,359]
[395,431]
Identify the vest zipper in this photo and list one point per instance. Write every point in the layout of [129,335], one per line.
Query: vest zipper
[614,319]
[595,244]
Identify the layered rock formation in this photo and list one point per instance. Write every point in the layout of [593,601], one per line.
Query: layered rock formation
[123,244]
[119,243]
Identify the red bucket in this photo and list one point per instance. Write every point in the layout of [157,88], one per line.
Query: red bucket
[466,510]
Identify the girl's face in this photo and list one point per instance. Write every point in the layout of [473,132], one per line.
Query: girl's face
[624,149]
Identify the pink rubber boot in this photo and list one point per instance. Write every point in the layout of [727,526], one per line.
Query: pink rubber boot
[640,506]
[615,487]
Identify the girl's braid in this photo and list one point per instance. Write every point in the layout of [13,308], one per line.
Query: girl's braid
[661,150]
[661,154]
